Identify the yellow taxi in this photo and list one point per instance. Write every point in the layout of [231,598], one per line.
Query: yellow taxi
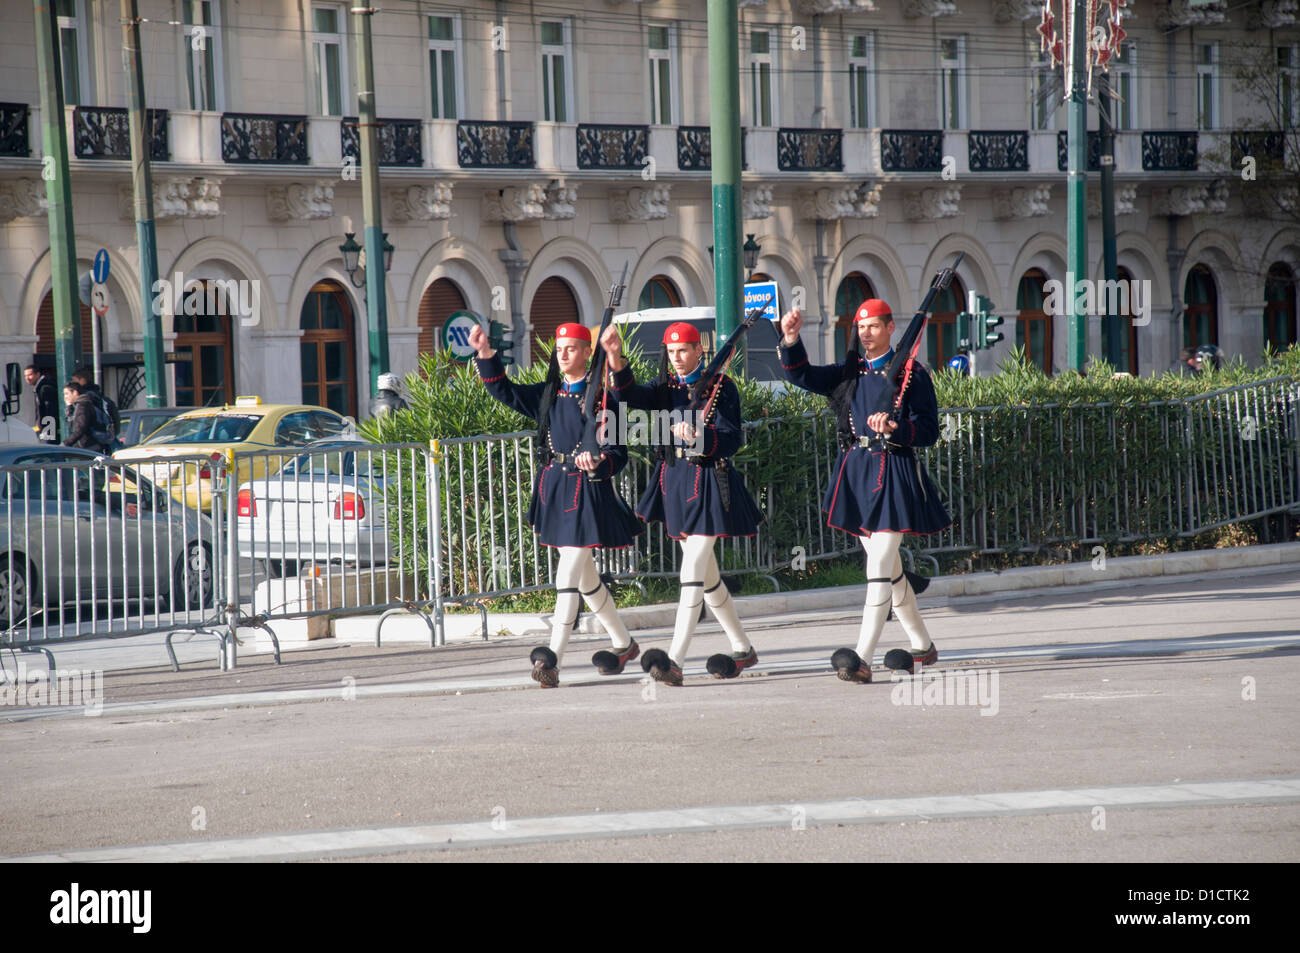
[248,431]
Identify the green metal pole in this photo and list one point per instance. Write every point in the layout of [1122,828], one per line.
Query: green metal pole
[58,192]
[376,303]
[1114,345]
[724,133]
[155,387]
[1076,195]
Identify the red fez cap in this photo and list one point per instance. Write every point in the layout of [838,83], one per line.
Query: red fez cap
[572,332]
[680,332]
[874,308]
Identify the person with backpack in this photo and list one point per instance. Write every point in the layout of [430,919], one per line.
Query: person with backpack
[575,505]
[87,419]
[86,377]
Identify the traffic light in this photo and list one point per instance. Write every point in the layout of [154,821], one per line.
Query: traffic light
[963,331]
[985,322]
[500,343]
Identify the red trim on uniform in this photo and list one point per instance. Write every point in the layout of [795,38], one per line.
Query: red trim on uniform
[542,483]
[491,380]
[880,477]
[907,379]
[839,477]
[791,367]
[577,488]
[861,531]
[696,494]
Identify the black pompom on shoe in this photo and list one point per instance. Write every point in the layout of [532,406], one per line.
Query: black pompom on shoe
[849,668]
[544,671]
[612,663]
[722,666]
[900,660]
[660,667]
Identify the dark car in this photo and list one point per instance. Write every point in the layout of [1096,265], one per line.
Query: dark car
[139,422]
[78,528]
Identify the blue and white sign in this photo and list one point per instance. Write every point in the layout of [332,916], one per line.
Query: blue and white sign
[100,270]
[455,334]
[757,293]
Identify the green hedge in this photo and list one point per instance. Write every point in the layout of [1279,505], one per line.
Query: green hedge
[1026,461]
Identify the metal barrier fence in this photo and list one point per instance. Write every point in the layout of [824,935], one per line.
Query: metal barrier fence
[99,549]
[93,549]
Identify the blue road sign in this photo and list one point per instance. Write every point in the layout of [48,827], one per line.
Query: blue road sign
[756,294]
[100,270]
[455,334]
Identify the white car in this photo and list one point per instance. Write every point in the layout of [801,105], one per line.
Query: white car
[324,505]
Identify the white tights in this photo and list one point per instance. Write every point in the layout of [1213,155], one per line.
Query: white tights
[702,582]
[886,584]
[576,577]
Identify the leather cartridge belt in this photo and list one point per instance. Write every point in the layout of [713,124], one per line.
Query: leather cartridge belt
[879,444]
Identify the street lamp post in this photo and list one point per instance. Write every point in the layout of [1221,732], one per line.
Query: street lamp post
[352,262]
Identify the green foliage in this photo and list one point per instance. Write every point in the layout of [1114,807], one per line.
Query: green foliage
[1026,463]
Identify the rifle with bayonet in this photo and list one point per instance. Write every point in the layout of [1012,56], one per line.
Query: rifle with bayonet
[596,376]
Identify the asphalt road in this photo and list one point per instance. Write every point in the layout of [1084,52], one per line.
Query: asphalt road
[1100,722]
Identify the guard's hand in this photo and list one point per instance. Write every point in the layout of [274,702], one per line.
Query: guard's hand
[791,322]
[613,346]
[585,461]
[882,423]
[684,432]
[480,342]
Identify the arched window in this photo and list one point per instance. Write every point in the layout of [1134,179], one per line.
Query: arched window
[45,327]
[440,299]
[203,332]
[1201,314]
[1280,307]
[941,332]
[328,349]
[1033,324]
[854,289]
[553,304]
[659,292]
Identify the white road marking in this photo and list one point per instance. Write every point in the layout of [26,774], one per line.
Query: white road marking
[464,835]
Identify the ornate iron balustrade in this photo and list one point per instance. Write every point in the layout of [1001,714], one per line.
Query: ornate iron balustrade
[1265,146]
[998,151]
[13,130]
[104,132]
[907,150]
[494,145]
[1063,151]
[1169,152]
[257,138]
[695,152]
[603,146]
[399,141]
[810,150]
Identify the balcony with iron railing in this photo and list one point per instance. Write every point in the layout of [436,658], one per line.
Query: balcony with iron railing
[604,150]
[14,140]
[399,141]
[104,132]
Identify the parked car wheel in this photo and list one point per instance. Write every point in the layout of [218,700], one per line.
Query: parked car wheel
[17,580]
[193,589]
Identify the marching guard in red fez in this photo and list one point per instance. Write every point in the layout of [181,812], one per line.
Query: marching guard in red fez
[575,506]
[695,492]
[880,490]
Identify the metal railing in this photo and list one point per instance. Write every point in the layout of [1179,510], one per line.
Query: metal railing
[481,144]
[606,146]
[257,138]
[96,549]
[104,132]
[13,130]
[108,550]
[399,141]
[909,150]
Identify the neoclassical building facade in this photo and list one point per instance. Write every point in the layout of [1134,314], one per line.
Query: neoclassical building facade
[529,150]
